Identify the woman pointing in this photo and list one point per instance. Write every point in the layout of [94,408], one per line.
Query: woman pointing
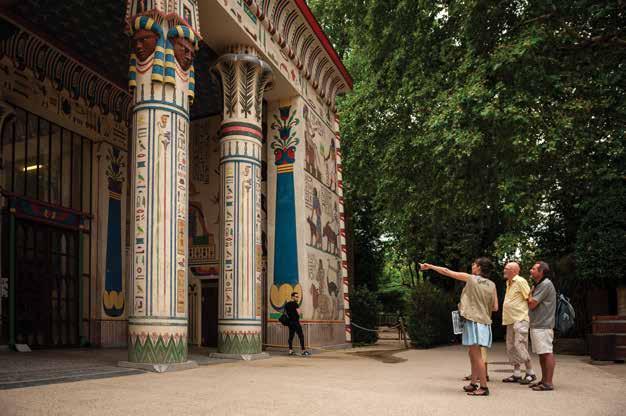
[478,300]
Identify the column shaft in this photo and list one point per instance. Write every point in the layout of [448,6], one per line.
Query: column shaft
[244,78]
[162,77]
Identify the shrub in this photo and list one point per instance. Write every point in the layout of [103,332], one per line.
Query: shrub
[394,299]
[428,317]
[364,309]
[601,240]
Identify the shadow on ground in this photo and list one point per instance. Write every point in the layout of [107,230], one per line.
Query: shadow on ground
[384,356]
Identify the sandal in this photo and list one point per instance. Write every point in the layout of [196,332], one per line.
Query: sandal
[468,378]
[512,379]
[543,387]
[535,384]
[470,387]
[481,391]
[528,378]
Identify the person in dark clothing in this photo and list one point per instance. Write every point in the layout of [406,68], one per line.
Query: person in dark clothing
[293,312]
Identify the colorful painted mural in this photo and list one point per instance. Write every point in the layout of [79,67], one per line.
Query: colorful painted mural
[284,144]
[113,296]
[320,150]
[324,288]
[204,199]
[24,89]
[322,214]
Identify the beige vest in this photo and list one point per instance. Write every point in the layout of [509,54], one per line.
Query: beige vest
[477,300]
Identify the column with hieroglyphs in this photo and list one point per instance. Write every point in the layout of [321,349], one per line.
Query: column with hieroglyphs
[164,43]
[244,79]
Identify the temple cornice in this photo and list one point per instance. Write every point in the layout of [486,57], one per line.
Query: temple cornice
[294,28]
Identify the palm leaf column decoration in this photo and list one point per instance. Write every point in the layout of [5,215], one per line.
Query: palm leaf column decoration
[113,297]
[286,278]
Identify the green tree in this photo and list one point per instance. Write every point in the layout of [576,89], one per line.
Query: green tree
[475,120]
[601,240]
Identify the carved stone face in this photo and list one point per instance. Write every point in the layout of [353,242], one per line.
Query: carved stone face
[184,52]
[144,43]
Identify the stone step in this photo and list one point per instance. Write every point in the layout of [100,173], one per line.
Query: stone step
[28,378]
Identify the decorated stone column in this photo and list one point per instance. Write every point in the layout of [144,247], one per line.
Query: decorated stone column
[164,42]
[244,78]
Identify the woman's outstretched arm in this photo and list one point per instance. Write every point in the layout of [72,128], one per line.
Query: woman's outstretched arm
[445,271]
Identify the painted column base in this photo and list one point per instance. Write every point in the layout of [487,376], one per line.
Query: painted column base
[244,357]
[159,368]
[157,341]
[239,340]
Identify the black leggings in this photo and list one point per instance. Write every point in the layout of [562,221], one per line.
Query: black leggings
[296,328]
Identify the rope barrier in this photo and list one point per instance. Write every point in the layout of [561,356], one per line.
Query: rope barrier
[398,325]
[373,330]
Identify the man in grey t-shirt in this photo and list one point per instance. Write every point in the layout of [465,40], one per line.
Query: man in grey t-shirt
[542,305]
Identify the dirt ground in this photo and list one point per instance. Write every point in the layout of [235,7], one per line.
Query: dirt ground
[381,380]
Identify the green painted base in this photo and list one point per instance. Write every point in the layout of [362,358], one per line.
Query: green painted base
[239,343]
[160,352]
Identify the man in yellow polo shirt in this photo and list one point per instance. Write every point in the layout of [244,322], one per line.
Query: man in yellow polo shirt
[515,317]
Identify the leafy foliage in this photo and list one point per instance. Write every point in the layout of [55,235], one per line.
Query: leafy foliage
[479,127]
[601,242]
[364,307]
[429,316]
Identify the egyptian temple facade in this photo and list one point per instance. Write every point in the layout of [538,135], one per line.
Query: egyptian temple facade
[170,174]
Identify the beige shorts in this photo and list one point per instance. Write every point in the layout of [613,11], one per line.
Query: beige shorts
[517,342]
[542,340]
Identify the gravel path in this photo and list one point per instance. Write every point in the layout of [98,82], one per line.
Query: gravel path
[384,380]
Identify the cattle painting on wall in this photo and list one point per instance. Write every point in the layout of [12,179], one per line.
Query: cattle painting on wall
[321,210]
[320,150]
[322,216]
[324,290]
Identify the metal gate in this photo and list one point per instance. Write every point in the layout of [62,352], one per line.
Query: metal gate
[46,285]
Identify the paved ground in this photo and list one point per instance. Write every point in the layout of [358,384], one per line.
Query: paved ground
[373,381]
[42,367]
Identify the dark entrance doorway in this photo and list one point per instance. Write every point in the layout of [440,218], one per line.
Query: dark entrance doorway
[210,301]
[46,285]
